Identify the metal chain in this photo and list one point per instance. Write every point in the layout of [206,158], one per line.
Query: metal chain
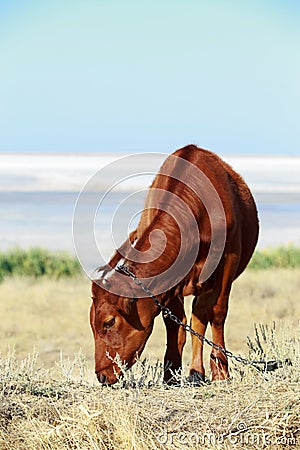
[267,365]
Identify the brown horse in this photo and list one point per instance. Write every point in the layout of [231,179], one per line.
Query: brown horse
[196,235]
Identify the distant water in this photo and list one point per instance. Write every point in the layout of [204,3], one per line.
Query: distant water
[38,194]
[37,219]
[45,219]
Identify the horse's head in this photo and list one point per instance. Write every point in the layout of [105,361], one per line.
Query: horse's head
[121,326]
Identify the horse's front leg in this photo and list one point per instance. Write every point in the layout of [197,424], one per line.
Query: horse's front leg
[218,361]
[176,336]
[199,321]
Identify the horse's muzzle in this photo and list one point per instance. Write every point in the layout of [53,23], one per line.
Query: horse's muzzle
[101,378]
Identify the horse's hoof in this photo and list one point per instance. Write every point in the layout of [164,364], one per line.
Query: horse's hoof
[196,378]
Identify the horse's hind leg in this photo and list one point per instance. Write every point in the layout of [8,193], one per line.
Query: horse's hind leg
[176,336]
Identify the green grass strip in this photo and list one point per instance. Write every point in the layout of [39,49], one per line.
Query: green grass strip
[37,262]
[284,257]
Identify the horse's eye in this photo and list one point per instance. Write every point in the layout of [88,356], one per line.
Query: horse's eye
[109,323]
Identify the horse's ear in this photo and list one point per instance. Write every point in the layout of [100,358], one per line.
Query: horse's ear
[101,270]
[127,307]
[95,288]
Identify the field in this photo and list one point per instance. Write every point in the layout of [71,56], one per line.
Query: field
[50,400]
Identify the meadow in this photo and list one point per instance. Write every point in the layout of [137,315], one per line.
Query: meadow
[51,400]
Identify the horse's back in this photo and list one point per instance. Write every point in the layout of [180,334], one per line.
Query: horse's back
[237,200]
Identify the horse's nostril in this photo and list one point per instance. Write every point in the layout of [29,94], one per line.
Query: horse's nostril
[101,378]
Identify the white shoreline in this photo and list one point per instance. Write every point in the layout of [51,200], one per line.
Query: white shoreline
[69,173]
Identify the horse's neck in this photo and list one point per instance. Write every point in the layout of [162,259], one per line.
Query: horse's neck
[155,250]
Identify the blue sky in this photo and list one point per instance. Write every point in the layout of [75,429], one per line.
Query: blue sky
[130,76]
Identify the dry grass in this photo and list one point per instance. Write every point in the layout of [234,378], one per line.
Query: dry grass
[59,409]
[50,315]
[59,406]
